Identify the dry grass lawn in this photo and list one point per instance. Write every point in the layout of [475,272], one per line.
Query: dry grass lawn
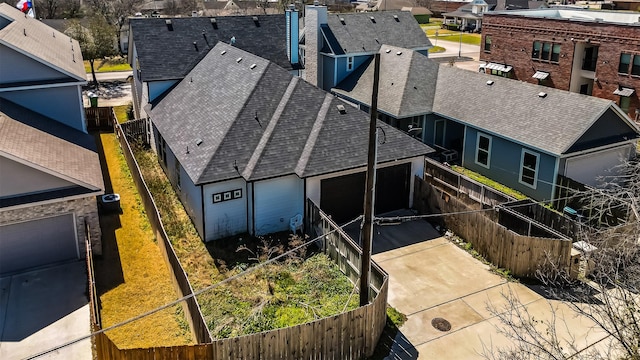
[132,276]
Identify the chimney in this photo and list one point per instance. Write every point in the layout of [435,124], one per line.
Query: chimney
[293,34]
[315,15]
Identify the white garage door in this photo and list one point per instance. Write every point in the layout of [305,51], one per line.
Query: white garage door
[35,243]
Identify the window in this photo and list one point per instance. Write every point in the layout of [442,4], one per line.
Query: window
[623,66]
[529,168]
[162,149]
[487,43]
[483,150]
[635,68]
[177,168]
[546,51]
[349,63]
[535,54]
[555,53]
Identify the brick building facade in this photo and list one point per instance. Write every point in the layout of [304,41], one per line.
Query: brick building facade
[565,50]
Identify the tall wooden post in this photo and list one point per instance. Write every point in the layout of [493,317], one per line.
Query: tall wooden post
[366,236]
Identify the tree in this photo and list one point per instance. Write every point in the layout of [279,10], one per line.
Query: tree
[609,297]
[96,42]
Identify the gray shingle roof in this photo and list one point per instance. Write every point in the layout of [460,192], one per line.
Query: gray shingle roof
[265,122]
[71,160]
[513,109]
[360,34]
[407,82]
[165,54]
[41,42]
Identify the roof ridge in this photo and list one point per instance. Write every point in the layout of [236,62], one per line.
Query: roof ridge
[313,136]
[257,153]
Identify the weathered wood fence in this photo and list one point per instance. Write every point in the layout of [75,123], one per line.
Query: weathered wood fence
[552,219]
[504,248]
[455,183]
[99,118]
[94,299]
[136,130]
[350,335]
[192,308]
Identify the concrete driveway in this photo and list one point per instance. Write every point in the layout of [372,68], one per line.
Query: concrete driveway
[42,309]
[430,277]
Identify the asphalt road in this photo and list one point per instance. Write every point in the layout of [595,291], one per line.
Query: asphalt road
[110,76]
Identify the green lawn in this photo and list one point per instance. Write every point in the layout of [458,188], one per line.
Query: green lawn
[451,35]
[486,181]
[108,65]
[436,49]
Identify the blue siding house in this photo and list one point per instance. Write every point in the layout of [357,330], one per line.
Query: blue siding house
[519,134]
[336,45]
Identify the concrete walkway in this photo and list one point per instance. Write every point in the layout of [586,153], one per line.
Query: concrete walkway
[436,279]
[42,309]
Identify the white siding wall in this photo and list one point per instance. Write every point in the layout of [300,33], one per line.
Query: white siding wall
[276,202]
[313,183]
[587,167]
[225,218]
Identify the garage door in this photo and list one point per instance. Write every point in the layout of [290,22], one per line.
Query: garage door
[343,197]
[35,243]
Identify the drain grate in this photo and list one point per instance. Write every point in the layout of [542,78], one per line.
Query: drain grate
[441,324]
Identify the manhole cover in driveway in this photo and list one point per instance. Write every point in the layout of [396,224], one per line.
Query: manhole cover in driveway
[441,324]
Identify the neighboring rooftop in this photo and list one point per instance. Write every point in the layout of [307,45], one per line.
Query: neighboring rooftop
[366,32]
[518,105]
[72,159]
[166,49]
[40,42]
[572,14]
[243,116]
[401,92]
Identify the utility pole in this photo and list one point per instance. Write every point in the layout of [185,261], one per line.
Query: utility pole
[366,235]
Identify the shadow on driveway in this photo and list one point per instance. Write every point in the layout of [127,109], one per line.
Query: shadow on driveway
[42,309]
[392,236]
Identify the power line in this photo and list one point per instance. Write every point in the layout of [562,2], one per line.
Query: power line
[195,293]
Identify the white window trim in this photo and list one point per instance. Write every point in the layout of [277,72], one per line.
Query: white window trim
[536,170]
[349,63]
[475,159]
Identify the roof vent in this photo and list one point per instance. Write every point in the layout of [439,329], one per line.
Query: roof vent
[253,66]
[387,51]
[214,23]
[204,35]
[373,20]
[198,142]
[169,24]
[342,21]
[223,52]
[256,21]
[25,32]
[542,94]
[341,109]
[238,60]
[316,3]
[232,41]
[195,45]
[399,53]
[490,82]
[395,17]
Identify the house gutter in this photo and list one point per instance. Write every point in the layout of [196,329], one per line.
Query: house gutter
[52,201]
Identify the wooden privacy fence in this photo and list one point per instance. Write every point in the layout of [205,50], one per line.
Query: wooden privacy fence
[450,181]
[192,308]
[552,219]
[504,248]
[341,248]
[350,335]
[136,130]
[96,322]
[99,118]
